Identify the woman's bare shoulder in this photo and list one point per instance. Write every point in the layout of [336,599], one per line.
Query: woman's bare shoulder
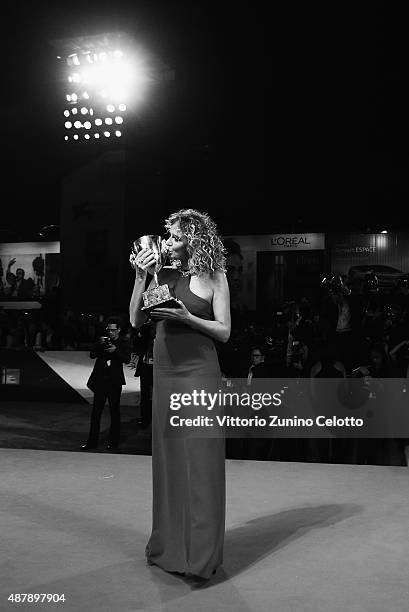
[218,278]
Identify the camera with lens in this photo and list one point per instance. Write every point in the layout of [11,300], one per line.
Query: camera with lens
[104,341]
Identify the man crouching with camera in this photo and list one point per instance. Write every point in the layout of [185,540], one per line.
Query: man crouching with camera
[106,380]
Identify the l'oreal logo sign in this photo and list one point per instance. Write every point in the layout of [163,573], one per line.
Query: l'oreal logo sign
[302,242]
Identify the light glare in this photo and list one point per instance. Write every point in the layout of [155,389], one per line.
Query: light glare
[116,79]
[112,79]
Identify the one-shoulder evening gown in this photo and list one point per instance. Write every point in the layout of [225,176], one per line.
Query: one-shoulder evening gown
[188,475]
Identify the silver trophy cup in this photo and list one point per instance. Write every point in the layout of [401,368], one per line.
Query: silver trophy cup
[159,296]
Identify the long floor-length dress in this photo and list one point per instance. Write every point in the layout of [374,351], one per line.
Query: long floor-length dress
[188,474]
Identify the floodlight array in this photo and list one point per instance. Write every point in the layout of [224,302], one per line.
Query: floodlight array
[97,92]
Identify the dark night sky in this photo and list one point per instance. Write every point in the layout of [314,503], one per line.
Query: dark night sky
[296,113]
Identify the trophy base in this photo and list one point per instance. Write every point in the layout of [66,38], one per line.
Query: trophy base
[171,303]
[158,297]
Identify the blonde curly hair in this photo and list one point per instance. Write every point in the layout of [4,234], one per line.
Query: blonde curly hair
[206,253]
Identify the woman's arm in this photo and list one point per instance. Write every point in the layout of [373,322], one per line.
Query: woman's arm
[143,263]
[136,316]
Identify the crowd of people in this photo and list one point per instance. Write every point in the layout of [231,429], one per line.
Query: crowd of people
[339,333]
[38,330]
[356,333]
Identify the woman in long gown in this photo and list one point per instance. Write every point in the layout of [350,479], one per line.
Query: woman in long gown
[188,473]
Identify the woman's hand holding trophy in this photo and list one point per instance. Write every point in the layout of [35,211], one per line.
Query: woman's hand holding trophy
[148,255]
[144,261]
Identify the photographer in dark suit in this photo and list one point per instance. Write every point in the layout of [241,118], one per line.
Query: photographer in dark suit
[106,380]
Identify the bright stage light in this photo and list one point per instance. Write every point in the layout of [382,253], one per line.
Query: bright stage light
[65,137]
[96,135]
[110,73]
[87,125]
[78,124]
[116,78]
[75,136]
[72,60]
[86,136]
[68,124]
